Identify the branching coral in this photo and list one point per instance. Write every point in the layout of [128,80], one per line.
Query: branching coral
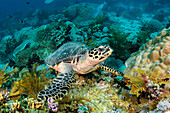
[30,83]
[4,75]
[148,88]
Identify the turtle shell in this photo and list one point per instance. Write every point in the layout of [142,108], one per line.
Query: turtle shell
[66,53]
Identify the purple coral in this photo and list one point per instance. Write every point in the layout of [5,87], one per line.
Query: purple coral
[153,90]
[52,105]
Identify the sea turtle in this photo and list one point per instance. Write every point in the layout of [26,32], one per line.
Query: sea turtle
[70,59]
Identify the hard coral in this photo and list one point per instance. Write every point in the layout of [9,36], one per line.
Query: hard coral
[154,55]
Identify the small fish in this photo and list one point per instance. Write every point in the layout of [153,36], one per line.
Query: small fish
[10,16]
[98,9]
[28,2]
[22,21]
[48,1]
[123,12]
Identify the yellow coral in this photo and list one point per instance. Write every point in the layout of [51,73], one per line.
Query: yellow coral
[4,75]
[30,84]
[139,86]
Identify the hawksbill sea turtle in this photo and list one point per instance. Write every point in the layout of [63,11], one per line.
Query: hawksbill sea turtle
[70,59]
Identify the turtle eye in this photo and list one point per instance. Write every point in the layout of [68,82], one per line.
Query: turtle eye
[101,49]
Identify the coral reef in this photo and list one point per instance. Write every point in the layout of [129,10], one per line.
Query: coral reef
[163,105]
[152,83]
[20,47]
[145,85]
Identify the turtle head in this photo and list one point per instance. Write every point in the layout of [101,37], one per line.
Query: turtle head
[99,53]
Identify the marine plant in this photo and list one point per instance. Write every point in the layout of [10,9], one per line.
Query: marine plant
[142,38]
[4,77]
[30,83]
[120,44]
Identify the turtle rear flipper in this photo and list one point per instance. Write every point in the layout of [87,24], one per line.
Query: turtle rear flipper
[58,87]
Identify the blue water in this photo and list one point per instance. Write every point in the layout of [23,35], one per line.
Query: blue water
[11,6]
[17,14]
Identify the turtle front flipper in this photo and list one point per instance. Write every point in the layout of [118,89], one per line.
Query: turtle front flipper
[58,87]
[112,70]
